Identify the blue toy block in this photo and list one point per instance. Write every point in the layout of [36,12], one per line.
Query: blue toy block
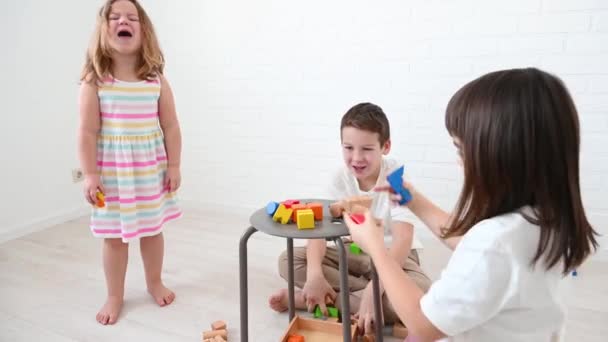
[395,179]
[271,208]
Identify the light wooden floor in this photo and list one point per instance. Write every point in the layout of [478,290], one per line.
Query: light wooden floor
[52,284]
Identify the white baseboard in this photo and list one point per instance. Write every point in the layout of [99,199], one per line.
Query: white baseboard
[39,224]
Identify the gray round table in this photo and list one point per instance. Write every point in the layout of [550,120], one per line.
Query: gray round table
[329,229]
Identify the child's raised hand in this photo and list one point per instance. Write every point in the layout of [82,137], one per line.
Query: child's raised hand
[92,184]
[173,179]
[369,234]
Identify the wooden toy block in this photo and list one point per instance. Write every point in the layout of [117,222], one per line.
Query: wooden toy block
[296,338]
[399,330]
[314,330]
[296,208]
[305,219]
[333,312]
[317,208]
[213,333]
[318,313]
[357,218]
[271,208]
[218,325]
[289,203]
[395,179]
[282,214]
[355,249]
[101,200]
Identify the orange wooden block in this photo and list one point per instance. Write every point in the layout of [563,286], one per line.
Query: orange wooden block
[218,325]
[295,208]
[295,338]
[317,208]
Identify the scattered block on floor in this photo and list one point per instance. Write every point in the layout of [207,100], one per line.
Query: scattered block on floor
[306,219]
[218,325]
[213,333]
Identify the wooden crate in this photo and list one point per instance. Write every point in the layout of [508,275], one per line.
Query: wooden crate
[316,330]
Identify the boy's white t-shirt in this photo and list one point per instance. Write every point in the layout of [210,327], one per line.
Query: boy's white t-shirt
[490,292]
[344,184]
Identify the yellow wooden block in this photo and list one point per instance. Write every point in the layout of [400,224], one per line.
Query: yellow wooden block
[306,219]
[282,214]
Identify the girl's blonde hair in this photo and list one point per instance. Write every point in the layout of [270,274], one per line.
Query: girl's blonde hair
[98,62]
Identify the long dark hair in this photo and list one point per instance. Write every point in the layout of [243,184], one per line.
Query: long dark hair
[519,134]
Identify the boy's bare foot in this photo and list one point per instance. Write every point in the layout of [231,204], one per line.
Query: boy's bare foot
[109,311]
[279,301]
[162,295]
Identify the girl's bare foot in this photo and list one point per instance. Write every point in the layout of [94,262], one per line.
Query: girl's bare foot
[162,295]
[279,301]
[110,310]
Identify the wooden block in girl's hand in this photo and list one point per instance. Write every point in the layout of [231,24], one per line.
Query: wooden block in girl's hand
[218,325]
[211,334]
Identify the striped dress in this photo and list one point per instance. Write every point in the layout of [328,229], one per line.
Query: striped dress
[132,160]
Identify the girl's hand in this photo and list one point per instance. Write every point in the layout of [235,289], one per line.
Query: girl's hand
[369,235]
[173,178]
[92,184]
[395,198]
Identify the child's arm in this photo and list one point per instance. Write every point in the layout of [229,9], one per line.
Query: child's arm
[433,217]
[403,234]
[171,132]
[316,289]
[430,214]
[89,127]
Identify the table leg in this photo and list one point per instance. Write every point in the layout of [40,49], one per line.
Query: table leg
[344,290]
[377,304]
[243,283]
[290,280]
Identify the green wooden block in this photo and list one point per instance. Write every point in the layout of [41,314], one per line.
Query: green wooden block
[318,313]
[333,312]
[354,248]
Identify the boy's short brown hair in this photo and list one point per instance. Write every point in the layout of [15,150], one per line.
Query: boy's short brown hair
[368,117]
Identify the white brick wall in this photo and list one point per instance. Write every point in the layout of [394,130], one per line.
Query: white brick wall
[260,90]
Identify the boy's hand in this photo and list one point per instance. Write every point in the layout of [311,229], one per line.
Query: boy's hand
[173,178]
[317,291]
[366,319]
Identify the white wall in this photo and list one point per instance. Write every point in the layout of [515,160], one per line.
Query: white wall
[43,45]
[261,86]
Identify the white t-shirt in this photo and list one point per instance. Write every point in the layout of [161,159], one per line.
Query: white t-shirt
[490,292]
[344,184]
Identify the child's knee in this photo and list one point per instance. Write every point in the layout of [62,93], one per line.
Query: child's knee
[115,243]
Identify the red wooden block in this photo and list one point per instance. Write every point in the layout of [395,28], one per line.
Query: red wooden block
[289,203]
[295,338]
